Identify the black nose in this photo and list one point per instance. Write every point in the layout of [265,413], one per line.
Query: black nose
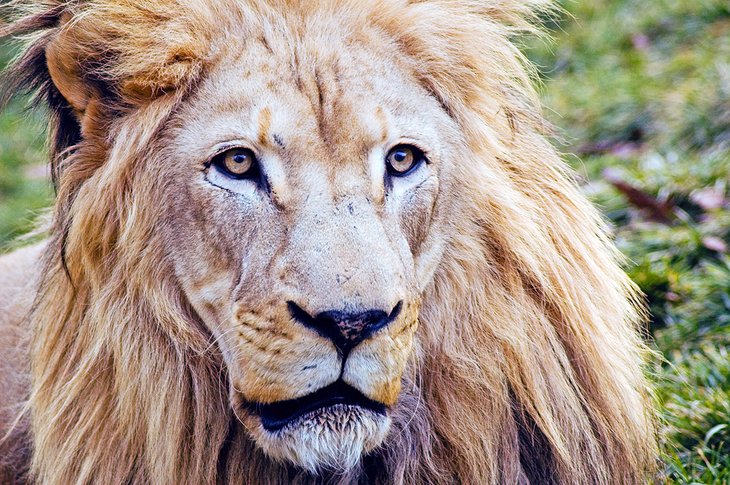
[345,329]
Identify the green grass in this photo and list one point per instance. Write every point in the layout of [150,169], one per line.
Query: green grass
[24,186]
[641,90]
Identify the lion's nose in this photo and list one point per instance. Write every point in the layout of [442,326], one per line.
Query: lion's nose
[345,329]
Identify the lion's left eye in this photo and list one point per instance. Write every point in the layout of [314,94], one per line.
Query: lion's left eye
[403,159]
[237,163]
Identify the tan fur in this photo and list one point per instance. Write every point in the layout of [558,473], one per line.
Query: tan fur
[162,305]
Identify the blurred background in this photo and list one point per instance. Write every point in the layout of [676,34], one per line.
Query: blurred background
[640,93]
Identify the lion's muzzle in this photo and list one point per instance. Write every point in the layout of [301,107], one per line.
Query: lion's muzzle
[318,388]
[346,330]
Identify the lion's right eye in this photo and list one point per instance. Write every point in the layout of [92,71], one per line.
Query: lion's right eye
[237,163]
[403,159]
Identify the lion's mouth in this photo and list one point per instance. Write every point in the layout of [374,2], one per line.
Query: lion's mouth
[276,416]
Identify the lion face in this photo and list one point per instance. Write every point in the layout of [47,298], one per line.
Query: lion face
[304,200]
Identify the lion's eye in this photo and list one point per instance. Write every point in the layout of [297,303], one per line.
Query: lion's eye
[402,159]
[237,163]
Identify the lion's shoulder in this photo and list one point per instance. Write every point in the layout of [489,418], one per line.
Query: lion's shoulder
[18,286]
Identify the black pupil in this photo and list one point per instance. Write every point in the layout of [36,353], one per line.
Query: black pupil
[400,155]
[240,158]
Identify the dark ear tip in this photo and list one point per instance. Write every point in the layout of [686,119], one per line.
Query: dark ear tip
[25,24]
[29,74]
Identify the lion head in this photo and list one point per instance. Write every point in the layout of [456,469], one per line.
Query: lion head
[299,239]
[305,227]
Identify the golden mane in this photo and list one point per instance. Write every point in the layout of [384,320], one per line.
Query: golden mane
[529,366]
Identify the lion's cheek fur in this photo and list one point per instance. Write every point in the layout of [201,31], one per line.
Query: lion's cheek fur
[273,372]
[275,361]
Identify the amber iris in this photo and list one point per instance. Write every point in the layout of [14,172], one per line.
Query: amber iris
[402,159]
[236,162]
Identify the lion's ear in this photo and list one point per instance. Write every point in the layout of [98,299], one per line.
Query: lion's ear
[131,51]
[91,62]
[67,77]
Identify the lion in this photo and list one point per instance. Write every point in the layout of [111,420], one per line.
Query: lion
[301,241]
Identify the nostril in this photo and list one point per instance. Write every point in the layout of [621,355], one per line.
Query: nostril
[300,315]
[395,311]
[345,329]
[326,329]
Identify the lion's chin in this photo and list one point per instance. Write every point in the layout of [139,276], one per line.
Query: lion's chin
[333,438]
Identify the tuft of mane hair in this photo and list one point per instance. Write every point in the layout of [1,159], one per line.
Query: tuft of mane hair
[530,361]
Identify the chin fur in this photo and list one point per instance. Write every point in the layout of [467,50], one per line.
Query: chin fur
[333,439]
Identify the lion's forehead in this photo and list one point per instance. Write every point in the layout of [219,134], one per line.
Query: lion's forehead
[326,101]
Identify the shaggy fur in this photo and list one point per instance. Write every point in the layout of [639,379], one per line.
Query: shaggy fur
[526,365]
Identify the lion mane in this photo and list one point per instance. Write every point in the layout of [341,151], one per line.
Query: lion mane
[528,367]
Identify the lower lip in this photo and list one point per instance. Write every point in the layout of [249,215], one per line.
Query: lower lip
[274,426]
[277,416]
